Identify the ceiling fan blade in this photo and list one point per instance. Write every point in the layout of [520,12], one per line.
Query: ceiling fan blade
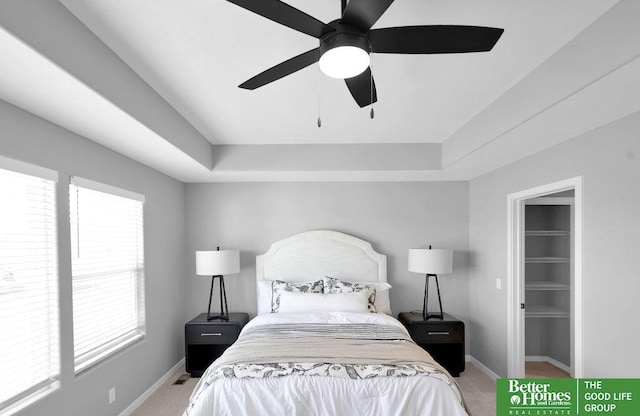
[364,13]
[283,69]
[363,88]
[434,39]
[285,15]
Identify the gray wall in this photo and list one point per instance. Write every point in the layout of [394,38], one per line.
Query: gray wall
[392,216]
[31,139]
[609,161]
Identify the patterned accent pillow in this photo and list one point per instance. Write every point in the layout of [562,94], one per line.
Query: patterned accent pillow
[333,285]
[278,286]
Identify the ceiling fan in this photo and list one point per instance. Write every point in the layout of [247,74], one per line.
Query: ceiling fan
[345,43]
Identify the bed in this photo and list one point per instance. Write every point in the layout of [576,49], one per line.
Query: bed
[323,341]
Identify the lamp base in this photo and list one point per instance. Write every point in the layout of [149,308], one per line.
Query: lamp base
[216,317]
[224,309]
[425,308]
[434,316]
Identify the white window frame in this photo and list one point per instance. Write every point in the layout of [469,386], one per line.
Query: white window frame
[47,351]
[94,337]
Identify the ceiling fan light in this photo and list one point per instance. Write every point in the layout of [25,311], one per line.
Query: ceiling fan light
[344,62]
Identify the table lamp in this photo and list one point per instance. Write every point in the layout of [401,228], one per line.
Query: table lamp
[216,264]
[431,262]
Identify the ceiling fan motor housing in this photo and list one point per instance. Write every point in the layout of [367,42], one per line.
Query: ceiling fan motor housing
[344,35]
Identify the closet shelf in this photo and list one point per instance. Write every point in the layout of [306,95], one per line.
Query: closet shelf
[546,285]
[546,260]
[540,311]
[546,233]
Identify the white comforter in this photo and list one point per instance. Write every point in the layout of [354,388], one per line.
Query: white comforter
[433,394]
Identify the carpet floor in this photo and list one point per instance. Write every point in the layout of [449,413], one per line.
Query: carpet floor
[171,399]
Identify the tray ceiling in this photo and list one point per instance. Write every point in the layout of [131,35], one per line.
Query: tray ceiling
[165,72]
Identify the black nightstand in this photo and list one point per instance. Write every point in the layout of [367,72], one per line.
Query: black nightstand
[442,338]
[205,341]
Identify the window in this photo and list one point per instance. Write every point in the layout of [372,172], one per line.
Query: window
[29,330]
[107,269]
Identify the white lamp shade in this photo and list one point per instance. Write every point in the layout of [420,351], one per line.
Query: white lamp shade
[430,261]
[214,263]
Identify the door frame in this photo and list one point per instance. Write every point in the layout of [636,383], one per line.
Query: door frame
[515,275]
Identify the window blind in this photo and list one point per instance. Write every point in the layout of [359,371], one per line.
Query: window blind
[29,327]
[107,248]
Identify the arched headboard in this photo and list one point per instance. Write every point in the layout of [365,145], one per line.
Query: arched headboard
[314,254]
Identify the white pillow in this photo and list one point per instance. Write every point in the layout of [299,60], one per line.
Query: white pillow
[278,287]
[322,302]
[381,301]
[264,296]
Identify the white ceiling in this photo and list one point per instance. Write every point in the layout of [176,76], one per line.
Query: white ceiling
[554,60]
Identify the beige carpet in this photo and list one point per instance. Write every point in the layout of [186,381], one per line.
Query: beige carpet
[479,391]
[170,400]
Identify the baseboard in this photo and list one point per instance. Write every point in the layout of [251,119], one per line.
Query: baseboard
[482,367]
[133,406]
[548,360]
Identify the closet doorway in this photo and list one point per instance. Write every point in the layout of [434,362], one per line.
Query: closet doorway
[544,281]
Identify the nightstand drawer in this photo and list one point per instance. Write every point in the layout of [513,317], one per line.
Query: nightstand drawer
[437,333]
[211,334]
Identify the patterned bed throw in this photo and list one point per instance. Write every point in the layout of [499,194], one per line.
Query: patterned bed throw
[357,351]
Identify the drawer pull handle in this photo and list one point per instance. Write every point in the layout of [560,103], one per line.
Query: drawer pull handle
[438,333]
[211,334]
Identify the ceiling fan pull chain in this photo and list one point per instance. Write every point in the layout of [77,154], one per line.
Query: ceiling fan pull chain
[371,114]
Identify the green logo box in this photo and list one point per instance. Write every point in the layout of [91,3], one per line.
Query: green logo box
[567,396]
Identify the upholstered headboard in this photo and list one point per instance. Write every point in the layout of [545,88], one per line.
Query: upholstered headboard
[314,254]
